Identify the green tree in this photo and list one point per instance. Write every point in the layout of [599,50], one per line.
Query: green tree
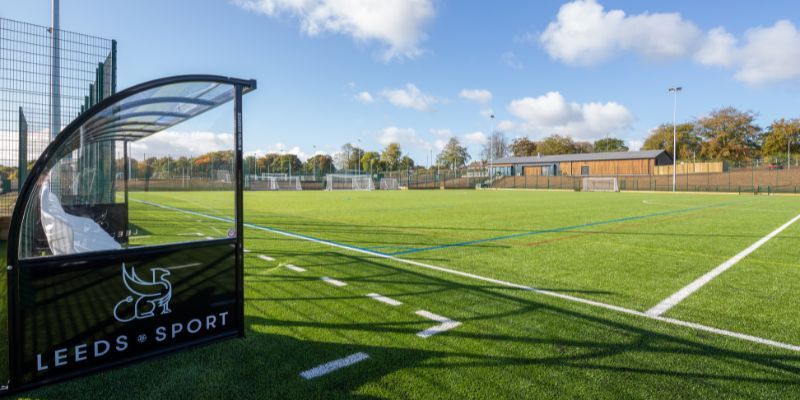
[778,136]
[523,147]
[370,162]
[729,134]
[556,144]
[453,155]
[391,155]
[321,163]
[406,163]
[661,139]
[609,144]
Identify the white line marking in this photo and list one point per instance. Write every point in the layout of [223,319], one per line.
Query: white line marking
[445,324]
[687,291]
[246,250]
[185,266]
[295,268]
[333,282]
[265,258]
[384,299]
[692,325]
[209,238]
[334,365]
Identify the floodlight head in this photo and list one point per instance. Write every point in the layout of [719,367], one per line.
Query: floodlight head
[675,89]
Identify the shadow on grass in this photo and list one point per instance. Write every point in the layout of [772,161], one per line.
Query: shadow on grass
[576,344]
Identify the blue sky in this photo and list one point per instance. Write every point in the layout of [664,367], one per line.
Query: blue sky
[585,68]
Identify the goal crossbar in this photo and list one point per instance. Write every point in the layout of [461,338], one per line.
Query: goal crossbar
[600,184]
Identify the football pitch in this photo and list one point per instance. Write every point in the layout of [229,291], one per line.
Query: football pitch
[488,294]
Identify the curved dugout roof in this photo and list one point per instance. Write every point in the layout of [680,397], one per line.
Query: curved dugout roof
[130,115]
[145,109]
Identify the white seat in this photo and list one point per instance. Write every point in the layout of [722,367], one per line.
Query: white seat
[70,234]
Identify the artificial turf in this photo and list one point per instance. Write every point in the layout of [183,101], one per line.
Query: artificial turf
[626,249]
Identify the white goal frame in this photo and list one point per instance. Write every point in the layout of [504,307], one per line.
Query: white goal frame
[600,184]
[277,183]
[348,182]
[390,184]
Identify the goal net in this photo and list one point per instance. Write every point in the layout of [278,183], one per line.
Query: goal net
[390,184]
[348,182]
[277,183]
[600,185]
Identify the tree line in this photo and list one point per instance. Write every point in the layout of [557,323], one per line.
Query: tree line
[725,134]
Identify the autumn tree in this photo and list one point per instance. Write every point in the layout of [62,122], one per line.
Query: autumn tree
[661,139]
[778,137]
[391,155]
[556,144]
[609,144]
[729,134]
[453,155]
[406,163]
[320,163]
[522,147]
[370,162]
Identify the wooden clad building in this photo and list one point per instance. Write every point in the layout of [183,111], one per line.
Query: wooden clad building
[586,164]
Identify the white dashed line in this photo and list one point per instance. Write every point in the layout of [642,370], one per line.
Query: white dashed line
[333,282]
[334,365]
[295,268]
[384,299]
[445,324]
[265,258]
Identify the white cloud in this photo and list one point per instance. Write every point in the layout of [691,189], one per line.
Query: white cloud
[365,97]
[481,96]
[442,137]
[718,49]
[404,136]
[505,126]
[487,113]
[410,97]
[397,24]
[585,34]
[769,55]
[475,138]
[635,144]
[177,144]
[510,59]
[551,113]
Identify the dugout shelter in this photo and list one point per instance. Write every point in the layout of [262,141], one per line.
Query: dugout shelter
[99,275]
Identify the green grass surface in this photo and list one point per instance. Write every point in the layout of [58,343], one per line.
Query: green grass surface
[626,249]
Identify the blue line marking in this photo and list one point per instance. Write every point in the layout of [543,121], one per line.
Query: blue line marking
[561,229]
[459,244]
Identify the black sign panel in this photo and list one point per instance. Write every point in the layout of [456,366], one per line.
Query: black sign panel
[84,313]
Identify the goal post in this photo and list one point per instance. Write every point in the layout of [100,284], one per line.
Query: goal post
[277,183]
[600,185]
[390,184]
[348,182]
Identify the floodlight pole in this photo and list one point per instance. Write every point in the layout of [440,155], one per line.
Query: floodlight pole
[491,148]
[674,91]
[788,151]
[55,73]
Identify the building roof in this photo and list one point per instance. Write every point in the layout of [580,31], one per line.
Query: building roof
[617,155]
